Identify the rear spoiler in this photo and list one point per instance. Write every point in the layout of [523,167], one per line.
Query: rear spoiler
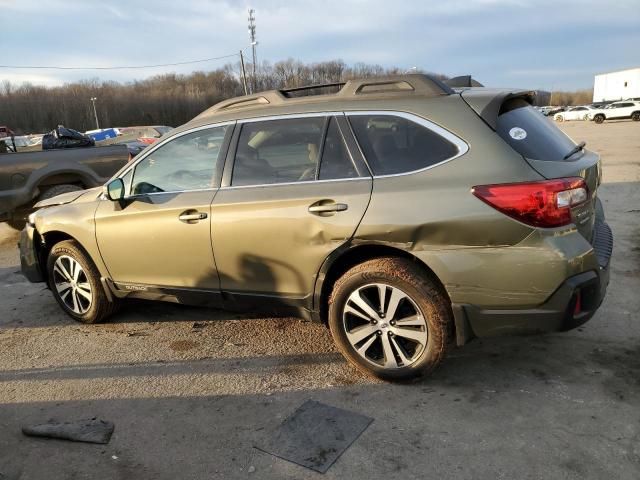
[463,81]
[487,102]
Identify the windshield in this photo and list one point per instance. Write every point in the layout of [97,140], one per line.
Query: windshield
[530,134]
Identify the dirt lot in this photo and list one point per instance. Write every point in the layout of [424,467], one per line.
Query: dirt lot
[192,402]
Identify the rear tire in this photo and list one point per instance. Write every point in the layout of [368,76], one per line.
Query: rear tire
[598,118]
[404,328]
[75,283]
[635,116]
[50,192]
[16,223]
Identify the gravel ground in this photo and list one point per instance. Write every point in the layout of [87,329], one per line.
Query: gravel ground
[191,391]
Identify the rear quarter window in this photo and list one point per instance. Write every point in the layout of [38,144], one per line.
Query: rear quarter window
[393,144]
[531,134]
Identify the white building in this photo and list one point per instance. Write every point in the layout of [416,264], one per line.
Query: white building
[617,85]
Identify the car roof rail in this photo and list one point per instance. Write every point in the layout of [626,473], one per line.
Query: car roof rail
[258,99]
[418,84]
[292,92]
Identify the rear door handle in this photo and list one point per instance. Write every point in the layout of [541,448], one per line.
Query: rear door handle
[328,207]
[191,216]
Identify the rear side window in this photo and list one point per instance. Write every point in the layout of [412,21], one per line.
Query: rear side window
[393,144]
[278,151]
[530,134]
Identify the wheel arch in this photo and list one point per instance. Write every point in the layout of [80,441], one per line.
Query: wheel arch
[49,240]
[64,178]
[349,256]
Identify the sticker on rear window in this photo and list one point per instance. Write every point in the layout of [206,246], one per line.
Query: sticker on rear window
[518,133]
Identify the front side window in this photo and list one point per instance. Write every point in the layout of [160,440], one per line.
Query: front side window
[278,151]
[393,144]
[185,163]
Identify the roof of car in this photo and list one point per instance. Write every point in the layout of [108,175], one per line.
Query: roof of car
[308,97]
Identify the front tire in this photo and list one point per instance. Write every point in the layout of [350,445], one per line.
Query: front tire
[598,118]
[75,283]
[635,116]
[390,319]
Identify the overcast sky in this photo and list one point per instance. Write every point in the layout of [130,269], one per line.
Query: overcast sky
[521,43]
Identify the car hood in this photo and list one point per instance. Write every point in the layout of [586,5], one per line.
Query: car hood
[80,196]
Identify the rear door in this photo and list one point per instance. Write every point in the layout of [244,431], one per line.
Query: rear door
[545,147]
[292,193]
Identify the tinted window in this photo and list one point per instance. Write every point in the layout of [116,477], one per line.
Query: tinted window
[187,162]
[531,135]
[394,144]
[336,162]
[278,151]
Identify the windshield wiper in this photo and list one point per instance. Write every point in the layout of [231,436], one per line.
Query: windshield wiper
[575,149]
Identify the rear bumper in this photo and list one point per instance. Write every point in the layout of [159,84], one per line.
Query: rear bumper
[571,305]
[29,258]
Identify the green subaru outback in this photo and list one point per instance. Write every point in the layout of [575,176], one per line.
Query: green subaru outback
[405,215]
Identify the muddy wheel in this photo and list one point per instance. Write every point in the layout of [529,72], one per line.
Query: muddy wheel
[559,118]
[75,283]
[390,319]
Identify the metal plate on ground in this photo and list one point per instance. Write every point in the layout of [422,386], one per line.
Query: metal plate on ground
[315,435]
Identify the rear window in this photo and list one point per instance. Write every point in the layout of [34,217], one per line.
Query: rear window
[531,134]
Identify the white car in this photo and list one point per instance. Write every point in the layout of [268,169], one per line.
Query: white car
[617,110]
[574,113]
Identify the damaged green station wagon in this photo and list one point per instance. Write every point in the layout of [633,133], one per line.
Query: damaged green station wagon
[402,213]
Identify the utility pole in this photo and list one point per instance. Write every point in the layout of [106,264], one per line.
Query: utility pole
[252,37]
[95,113]
[244,73]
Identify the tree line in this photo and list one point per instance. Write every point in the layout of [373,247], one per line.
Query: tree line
[169,99]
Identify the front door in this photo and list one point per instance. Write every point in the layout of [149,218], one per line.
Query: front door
[160,235]
[295,194]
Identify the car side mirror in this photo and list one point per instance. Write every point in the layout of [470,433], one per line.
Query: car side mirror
[115,190]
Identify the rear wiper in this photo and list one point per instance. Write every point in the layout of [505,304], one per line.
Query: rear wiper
[575,149]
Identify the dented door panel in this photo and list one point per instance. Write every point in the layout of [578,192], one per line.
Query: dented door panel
[266,241]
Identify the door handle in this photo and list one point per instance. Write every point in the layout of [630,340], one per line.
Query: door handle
[328,207]
[192,217]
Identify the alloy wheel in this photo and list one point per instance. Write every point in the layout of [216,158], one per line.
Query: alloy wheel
[72,284]
[385,326]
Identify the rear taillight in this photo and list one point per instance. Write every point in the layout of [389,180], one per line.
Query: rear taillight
[541,204]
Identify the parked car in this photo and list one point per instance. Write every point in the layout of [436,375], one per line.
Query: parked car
[135,147]
[617,111]
[546,110]
[461,214]
[5,132]
[29,177]
[573,113]
[553,110]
